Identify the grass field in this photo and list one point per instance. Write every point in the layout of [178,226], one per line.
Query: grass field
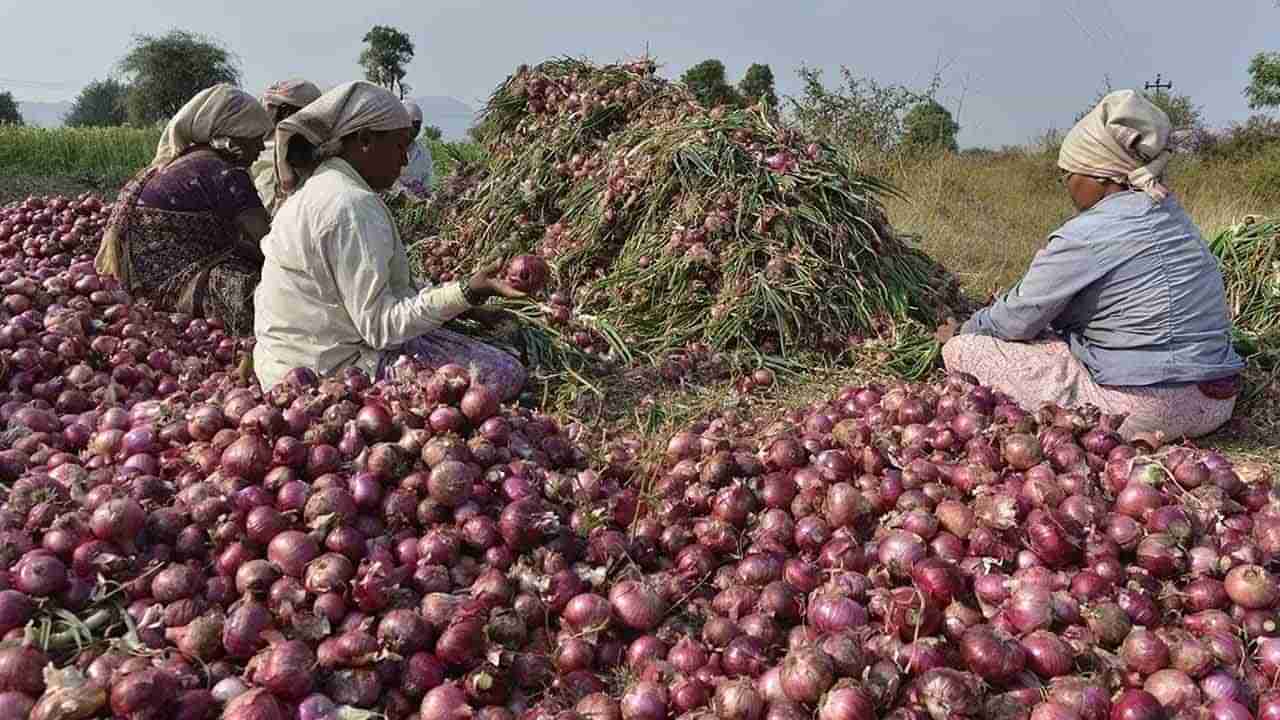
[72,160]
[983,215]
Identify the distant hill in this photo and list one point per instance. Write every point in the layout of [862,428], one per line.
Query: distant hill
[44,114]
[451,115]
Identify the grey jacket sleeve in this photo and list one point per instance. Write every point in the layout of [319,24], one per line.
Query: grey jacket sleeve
[1059,271]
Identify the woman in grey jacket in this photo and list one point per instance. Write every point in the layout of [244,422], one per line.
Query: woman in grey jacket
[1124,309]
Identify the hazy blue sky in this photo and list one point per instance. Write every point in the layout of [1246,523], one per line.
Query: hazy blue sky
[1012,67]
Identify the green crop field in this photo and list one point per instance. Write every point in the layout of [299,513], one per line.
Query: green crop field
[103,159]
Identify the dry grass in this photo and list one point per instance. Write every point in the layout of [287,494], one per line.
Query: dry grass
[984,217]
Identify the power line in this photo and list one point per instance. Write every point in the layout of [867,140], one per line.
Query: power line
[1080,25]
[1124,29]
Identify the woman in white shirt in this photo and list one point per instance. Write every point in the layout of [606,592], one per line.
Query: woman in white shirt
[336,286]
[281,101]
[417,174]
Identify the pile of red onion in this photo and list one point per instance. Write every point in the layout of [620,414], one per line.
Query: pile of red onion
[411,547]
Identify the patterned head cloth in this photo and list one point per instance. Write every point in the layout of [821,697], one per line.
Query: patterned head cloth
[297,93]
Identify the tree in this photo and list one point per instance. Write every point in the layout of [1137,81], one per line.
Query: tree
[432,132]
[1183,113]
[757,84]
[706,81]
[1264,81]
[100,104]
[384,60]
[9,109]
[860,114]
[165,71]
[929,125]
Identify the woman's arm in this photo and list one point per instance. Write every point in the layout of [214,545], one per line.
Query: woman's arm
[1058,272]
[360,254]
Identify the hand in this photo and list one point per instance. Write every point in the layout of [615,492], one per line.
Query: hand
[488,281]
[946,330]
[489,317]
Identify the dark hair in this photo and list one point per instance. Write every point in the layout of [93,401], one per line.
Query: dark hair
[300,153]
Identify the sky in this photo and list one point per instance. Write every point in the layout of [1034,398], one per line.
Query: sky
[1011,69]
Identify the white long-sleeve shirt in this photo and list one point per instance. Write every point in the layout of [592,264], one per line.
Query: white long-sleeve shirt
[420,166]
[336,286]
[263,172]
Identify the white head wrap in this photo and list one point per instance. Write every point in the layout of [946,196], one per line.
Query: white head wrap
[297,93]
[1125,139]
[222,111]
[415,111]
[346,109]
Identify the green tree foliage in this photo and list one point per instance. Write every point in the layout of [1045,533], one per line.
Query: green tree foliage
[165,71]
[1183,113]
[432,132]
[9,109]
[1264,81]
[757,84]
[929,125]
[707,82]
[859,115]
[388,51]
[100,104]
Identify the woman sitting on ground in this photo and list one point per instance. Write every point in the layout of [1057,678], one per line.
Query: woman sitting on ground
[1124,309]
[336,288]
[184,233]
[416,176]
[281,101]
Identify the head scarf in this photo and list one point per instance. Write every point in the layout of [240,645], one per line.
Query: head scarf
[415,111]
[222,111]
[296,93]
[1125,139]
[344,110]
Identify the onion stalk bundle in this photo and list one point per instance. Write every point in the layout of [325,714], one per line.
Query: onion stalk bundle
[677,224]
[1249,253]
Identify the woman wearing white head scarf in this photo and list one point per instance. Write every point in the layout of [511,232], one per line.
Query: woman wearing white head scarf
[336,288]
[184,233]
[281,100]
[1124,309]
[417,174]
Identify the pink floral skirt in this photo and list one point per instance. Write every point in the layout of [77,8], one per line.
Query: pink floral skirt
[1045,371]
[488,365]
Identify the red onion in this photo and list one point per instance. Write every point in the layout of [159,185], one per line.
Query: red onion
[807,674]
[636,605]
[1251,587]
[847,701]
[1173,690]
[735,700]
[286,669]
[643,701]
[991,654]
[447,702]
[1144,652]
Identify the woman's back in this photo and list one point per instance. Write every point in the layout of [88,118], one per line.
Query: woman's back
[201,181]
[1157,311]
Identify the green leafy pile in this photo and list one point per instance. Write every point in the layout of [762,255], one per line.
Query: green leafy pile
[668,224]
